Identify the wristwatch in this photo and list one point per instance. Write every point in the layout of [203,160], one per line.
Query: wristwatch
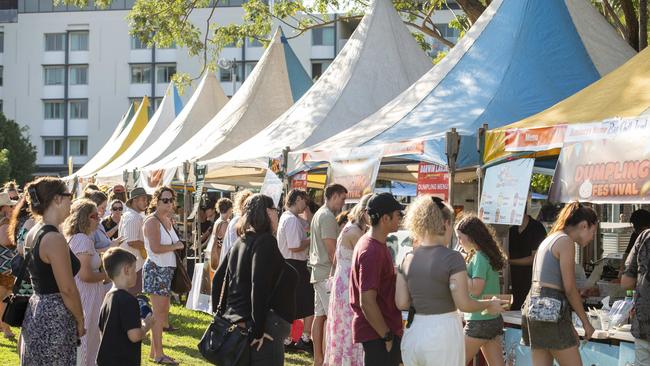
[388,337]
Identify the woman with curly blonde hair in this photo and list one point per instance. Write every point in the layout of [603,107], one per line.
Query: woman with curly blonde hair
[485,259]
[79,228]
[433,281]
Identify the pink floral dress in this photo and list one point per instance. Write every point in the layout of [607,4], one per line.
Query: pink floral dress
[340,351]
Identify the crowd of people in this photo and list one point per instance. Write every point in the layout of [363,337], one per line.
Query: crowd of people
[88,258]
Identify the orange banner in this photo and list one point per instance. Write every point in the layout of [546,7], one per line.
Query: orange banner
[434,180]
[535,139]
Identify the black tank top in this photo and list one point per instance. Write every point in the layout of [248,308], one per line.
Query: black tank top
[43,279]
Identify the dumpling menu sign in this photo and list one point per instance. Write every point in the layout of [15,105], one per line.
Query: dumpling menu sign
[433,179]
[505,192]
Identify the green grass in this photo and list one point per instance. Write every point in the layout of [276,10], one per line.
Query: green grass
[181,345]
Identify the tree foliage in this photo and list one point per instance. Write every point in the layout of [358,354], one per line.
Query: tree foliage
[162,22]
[17,154]
[540,183]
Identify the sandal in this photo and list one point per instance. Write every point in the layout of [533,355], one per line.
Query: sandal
[166,360]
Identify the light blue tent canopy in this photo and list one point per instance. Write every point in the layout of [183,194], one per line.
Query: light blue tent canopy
[519,58]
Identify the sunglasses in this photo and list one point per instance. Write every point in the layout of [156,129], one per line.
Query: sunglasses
[439,202]
[93,216]
[65,194]
[120,208]
[166,200]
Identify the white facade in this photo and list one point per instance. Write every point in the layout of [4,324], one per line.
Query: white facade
[107,69]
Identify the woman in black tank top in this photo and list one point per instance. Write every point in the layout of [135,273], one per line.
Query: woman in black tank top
[54,320]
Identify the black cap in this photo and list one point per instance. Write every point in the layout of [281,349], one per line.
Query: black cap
[383,204]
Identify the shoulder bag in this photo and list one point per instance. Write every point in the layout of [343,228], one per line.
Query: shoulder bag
[181,282]
[225,343]
[16,307]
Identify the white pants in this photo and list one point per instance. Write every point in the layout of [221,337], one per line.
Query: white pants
[434,340]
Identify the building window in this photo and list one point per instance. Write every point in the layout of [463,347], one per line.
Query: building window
[136,44]
[2,73]
[79,75]
[249,67]
[2,42]
[53,146]
[171,46]
[54,41]
[79,41]
[164,73]
[318,68]
[156,103]
[53,110]
[323,36]
[140,74]
[53,75]
[78,109]
[78,146]
[1,106]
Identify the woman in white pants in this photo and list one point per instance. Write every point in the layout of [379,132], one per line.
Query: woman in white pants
[433,281]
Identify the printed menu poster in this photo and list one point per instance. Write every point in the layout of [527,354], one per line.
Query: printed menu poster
[505,192]
[433,179]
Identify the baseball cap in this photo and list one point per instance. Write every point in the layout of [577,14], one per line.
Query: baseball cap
[5,200]
[383,204]
[118,188]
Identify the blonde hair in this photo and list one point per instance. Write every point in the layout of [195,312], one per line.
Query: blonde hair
[424,217]
[358,213]
[240,200]
[79,220]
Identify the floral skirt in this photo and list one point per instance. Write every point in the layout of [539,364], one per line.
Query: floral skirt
[157,280]
[49,333]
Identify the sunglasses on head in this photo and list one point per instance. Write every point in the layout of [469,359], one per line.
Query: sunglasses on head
[439,202]
[166,200]
[118,208]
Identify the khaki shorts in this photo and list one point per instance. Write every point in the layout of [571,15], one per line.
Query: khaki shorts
[321,298]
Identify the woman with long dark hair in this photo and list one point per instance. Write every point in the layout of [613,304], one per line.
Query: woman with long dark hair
[485,259]
[554,281]
[260,285]
[54,320]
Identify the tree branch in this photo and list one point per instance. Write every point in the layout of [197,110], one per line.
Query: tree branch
[431,33]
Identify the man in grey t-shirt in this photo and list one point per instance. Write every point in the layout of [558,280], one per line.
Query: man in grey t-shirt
[324,232]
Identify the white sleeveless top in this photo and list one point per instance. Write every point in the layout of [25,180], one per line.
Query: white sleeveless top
[167,237]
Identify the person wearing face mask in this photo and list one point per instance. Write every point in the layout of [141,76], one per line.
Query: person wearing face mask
[550,333]
[259,287]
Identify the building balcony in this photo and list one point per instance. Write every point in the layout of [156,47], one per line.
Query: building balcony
[322,52]
[138,90]
[140,56]
[166,55]
[78,127]
[54,58]
[52,127]
[78,92]
[79,57]
[53,91]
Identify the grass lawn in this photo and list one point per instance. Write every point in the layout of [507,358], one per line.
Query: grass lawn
[181,345]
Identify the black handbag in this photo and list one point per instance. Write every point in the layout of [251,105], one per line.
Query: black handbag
[225,343]
[16,307]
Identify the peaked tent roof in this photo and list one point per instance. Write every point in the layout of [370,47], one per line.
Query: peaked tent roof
[274,85]
[206,101]
[169,108]
[625,92]
[520,57]
[115,147]
[380,60]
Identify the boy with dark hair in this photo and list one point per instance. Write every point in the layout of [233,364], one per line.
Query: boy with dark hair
[120,325]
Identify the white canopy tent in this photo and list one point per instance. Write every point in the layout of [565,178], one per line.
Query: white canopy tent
[276,82]
[380,60]
[170,106]
[116,145]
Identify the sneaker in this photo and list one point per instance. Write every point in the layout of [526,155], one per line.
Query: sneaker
[304,345]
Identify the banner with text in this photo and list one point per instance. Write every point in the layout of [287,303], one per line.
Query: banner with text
[607,170]
[433,179]
[505,192]
[299,181]
[357,172]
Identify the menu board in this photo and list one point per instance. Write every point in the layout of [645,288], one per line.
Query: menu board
[505,192]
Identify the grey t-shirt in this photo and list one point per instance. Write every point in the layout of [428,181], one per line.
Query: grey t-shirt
[323,226]
[428,278]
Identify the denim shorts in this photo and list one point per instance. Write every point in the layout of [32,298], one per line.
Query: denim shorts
[484,329]
[157,280]
[546,335]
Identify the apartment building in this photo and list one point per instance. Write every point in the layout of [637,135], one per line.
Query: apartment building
[69,74]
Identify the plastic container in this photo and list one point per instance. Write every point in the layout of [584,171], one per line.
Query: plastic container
[620,312]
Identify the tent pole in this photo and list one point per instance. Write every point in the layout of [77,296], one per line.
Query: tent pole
[453,144]
[480,147]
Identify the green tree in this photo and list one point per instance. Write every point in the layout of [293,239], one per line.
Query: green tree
[20,153]
[5,167]
[162,22]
